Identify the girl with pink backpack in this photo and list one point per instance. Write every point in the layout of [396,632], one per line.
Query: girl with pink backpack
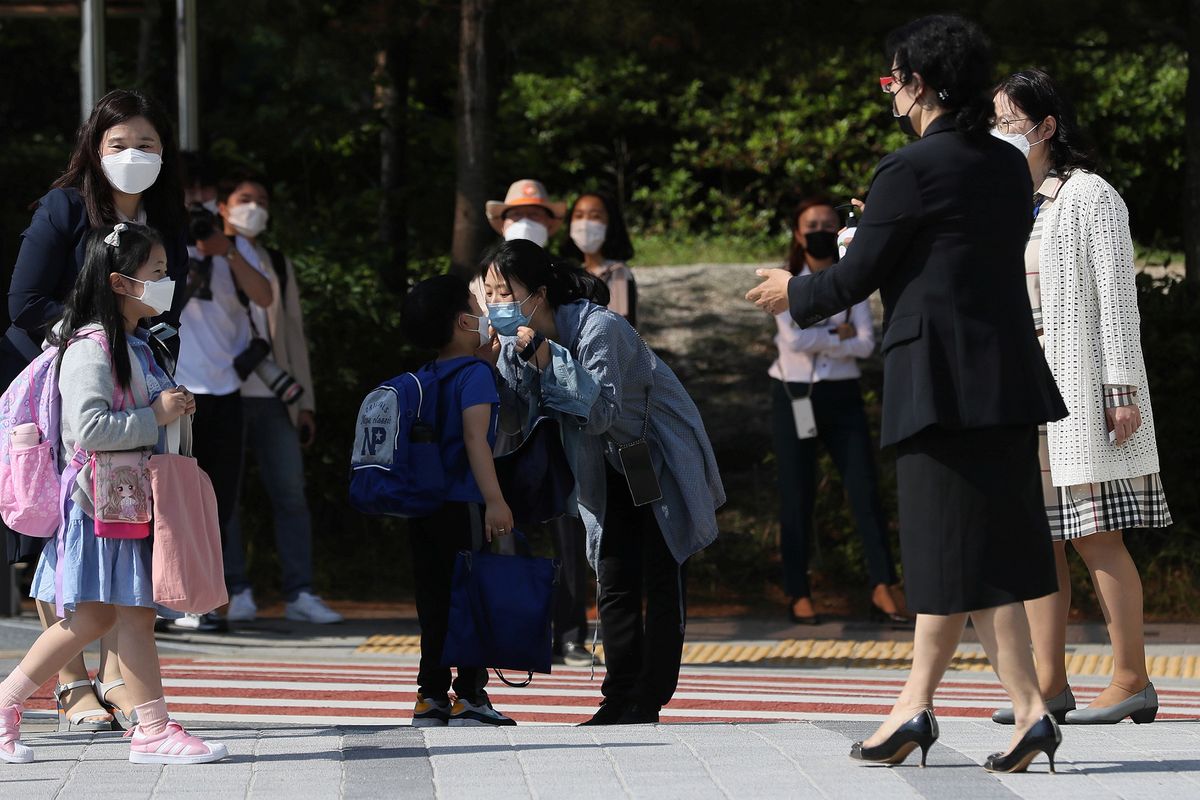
[116,401]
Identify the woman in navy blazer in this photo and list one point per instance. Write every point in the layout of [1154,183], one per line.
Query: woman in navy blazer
[51,256]
[52,247]
[965,383]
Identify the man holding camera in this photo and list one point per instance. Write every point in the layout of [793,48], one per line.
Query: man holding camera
[257,346]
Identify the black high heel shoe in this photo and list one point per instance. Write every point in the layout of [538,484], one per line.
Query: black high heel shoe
[920,731]
[889,618]
[1043,737]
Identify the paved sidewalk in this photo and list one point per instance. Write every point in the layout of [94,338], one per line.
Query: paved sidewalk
[806,759]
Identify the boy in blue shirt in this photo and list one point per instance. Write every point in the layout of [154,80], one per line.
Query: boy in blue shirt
[441,314]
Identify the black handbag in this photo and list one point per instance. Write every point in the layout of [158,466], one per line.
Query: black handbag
[535,477]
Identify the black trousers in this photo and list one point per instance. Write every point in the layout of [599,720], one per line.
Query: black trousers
[219,444]
[436,541]
[642,656]
[842,428]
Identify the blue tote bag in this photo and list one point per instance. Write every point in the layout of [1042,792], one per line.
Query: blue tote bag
[500,612]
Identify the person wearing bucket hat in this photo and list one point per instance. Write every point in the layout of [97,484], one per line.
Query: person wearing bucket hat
[527,212]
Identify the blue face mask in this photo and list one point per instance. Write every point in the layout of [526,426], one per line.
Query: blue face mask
[507,317]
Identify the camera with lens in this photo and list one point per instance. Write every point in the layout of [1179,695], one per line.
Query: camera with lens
[257,359]
[202,223]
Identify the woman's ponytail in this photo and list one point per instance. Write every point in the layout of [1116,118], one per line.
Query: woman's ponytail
[570,282]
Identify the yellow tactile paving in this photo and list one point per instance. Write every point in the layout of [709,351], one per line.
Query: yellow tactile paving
[844,653]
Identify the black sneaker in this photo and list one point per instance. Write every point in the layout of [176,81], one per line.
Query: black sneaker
[431,712]
[575,655]
[477,713]
[608,714]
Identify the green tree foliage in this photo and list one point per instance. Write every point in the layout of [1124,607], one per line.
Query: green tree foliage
[708,119]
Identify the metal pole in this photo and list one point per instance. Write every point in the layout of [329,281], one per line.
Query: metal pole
[189,104]
[91,55]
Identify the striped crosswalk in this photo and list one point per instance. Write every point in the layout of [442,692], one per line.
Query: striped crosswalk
[205,689]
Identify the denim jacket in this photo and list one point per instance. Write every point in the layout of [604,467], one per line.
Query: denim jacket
[604,385]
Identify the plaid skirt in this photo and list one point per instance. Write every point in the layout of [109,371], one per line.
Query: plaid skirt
[1087,508]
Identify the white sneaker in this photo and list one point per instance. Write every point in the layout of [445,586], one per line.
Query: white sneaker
[241,607]
[307,607]
[199,622]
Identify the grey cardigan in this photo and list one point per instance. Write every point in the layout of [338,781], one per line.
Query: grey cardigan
[89,422]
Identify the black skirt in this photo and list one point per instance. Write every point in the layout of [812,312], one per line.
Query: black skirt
[973,529]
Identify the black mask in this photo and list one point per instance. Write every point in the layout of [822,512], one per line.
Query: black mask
[903,120]
[820,244]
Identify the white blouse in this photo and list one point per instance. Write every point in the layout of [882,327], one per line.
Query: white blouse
[816,354]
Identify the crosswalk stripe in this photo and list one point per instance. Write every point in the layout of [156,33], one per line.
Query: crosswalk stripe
[205,690]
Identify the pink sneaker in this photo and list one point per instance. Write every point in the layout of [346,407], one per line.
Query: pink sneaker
[11,749]
[172,746]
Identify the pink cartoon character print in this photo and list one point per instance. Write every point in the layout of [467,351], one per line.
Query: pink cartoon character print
[126,500]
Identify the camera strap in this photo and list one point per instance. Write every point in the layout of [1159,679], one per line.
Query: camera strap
[192,286]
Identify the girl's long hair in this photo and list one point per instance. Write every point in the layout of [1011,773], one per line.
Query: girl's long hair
[163,201]
[92,300]
[533,268]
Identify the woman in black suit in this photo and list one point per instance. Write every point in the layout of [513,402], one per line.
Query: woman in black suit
[965,383]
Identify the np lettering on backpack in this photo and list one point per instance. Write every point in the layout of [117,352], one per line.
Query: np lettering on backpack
[377,428]
[396,466]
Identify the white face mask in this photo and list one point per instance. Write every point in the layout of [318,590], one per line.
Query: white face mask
[131,171]
[535,232]
[588,235]
[248,219]
[485,335]
[157,294]
[1018,140]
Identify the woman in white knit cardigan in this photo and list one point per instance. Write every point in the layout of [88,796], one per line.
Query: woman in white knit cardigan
[1100,464]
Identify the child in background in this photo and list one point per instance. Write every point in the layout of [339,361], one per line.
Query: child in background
[105,583]
[441,314]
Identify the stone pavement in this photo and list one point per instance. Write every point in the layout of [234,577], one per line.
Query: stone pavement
[799,759]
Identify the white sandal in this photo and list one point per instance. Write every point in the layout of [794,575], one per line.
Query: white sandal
[86,720]
[121,720]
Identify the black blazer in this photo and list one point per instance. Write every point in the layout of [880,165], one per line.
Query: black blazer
[50,258]
[943,238]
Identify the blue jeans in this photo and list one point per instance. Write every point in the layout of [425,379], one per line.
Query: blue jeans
[842,427]
[274,442]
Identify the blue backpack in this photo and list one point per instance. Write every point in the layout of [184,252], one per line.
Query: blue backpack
[396,466]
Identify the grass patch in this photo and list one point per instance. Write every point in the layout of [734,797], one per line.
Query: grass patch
[670,250]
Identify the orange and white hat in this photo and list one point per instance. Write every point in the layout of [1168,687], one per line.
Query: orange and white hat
[525,192]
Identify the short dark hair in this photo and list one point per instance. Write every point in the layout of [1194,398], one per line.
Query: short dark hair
[230,183]
[1035,93]
[196,170]
[431,309]
[795,259]
[616,238]
[954,58]
[163,200]
[533,268]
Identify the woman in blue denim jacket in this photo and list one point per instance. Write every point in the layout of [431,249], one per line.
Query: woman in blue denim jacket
[563,355]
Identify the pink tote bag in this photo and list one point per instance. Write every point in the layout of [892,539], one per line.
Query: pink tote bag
[189,574]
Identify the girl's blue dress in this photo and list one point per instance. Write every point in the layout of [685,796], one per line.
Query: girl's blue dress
[97,570]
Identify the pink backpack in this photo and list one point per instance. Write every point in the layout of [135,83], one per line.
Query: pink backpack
[30,436]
